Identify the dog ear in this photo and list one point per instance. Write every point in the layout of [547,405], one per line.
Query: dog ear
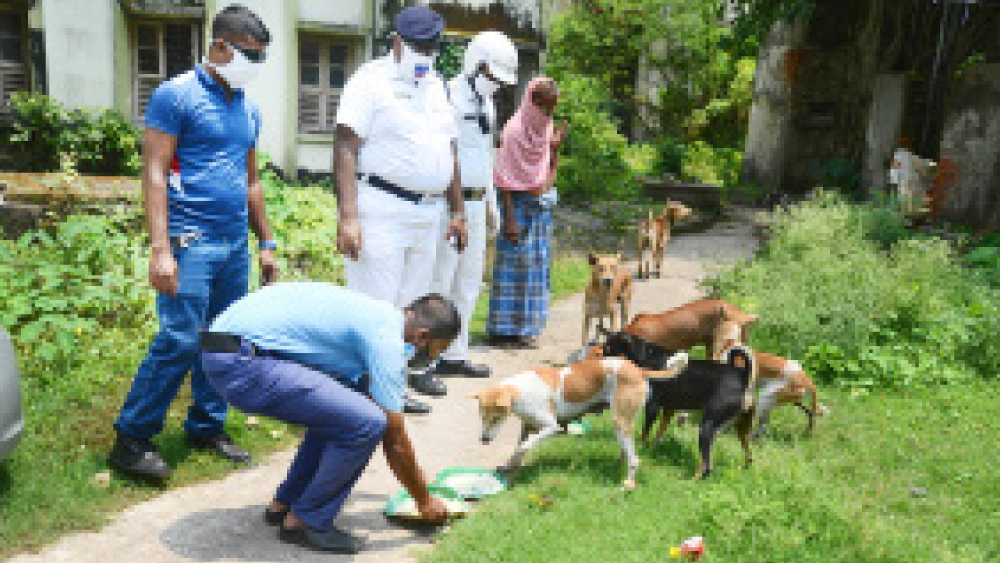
[592,258]
[618,256]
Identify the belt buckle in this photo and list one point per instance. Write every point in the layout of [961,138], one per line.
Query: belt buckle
[184,240]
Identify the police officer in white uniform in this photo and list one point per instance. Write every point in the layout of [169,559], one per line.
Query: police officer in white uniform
[490,62]
[397,170]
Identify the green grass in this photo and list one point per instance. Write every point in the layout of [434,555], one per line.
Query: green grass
[841,494]
[46,487]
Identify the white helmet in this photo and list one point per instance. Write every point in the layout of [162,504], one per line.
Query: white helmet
[497,51]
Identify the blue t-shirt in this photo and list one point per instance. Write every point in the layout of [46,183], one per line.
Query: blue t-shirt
[327,327]
[213,138]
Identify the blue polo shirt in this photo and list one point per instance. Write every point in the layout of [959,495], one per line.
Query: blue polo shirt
[329,328]
[213,138]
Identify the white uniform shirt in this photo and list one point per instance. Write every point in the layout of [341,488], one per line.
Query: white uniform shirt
[406,130]
[475,149]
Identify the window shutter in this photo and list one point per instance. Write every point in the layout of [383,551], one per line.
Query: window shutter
[13,71]
[310,110]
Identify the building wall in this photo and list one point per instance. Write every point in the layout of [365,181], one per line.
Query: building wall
[79,51]
[342,12]
[971,141]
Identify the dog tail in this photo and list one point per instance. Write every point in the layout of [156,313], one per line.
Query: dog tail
[676,364]
[748,370]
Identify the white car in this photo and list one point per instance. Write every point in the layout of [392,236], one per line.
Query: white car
[11,422]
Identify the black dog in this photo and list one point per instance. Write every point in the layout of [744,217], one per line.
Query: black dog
[716,389]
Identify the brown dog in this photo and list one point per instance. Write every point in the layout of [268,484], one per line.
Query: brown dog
[697,322]
[654,234]
[545,397]
[608,294]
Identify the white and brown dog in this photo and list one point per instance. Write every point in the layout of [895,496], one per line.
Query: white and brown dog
[608,294]
[779,381]
[543,398]
[654,234]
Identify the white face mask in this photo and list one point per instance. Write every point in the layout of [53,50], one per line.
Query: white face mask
[413,65]
[485,86]
[239,71]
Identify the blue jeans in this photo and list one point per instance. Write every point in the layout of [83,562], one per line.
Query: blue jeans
[343,427]
[212,273]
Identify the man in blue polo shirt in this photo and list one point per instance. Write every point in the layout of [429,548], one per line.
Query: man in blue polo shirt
[201,131]
[330,360]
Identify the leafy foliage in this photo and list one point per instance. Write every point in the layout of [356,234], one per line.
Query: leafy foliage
[43,136]
[842,288]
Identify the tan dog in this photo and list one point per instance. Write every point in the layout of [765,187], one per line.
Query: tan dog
[544,397]
[694,323]
[654,234]
[608,294]
[779,381]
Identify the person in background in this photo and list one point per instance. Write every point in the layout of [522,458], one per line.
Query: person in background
[524,175]
[200,263]
[396,168]
[490,63]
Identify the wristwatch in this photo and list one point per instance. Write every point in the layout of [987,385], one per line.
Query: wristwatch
[265,244]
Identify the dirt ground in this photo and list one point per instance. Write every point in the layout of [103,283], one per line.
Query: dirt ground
[221,521]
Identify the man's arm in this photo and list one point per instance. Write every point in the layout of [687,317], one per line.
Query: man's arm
[403,463]
[456,203]
[158,151]
[258,219]
[345,163]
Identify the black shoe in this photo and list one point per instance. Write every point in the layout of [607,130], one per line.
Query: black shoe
[137,457]
[413,406]
[460,368]
[223,445]
[332,540]
[502,340]
[274,517]
[424,382]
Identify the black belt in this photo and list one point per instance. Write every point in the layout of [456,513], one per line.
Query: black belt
[224,343]
[381,183]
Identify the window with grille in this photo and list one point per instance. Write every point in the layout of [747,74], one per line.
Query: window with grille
[13,57]
[161,50]
[324,66]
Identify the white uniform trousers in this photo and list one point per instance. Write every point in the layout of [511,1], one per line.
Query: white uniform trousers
[398,247]
[459,275]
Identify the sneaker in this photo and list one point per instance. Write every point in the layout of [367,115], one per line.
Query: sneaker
[333,540]
[138,457]
[460,368]
[223,445]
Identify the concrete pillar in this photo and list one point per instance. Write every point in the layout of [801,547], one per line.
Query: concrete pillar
[275,90]
[970,145]
[79,51]
[769,135]
[885,120]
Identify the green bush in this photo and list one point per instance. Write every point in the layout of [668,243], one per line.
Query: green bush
[43,136]
[593,162]
[304,220]
[66,284]
[835,291]
[708,165]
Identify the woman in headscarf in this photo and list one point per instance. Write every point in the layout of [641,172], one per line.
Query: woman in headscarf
[524,173]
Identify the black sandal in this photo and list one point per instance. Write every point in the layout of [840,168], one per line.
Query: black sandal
[274,517]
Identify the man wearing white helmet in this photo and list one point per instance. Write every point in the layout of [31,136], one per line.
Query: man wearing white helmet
[490,63]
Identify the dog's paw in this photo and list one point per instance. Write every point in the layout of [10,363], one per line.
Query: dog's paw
[628,485]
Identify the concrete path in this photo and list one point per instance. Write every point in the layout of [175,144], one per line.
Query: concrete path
[221,521]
